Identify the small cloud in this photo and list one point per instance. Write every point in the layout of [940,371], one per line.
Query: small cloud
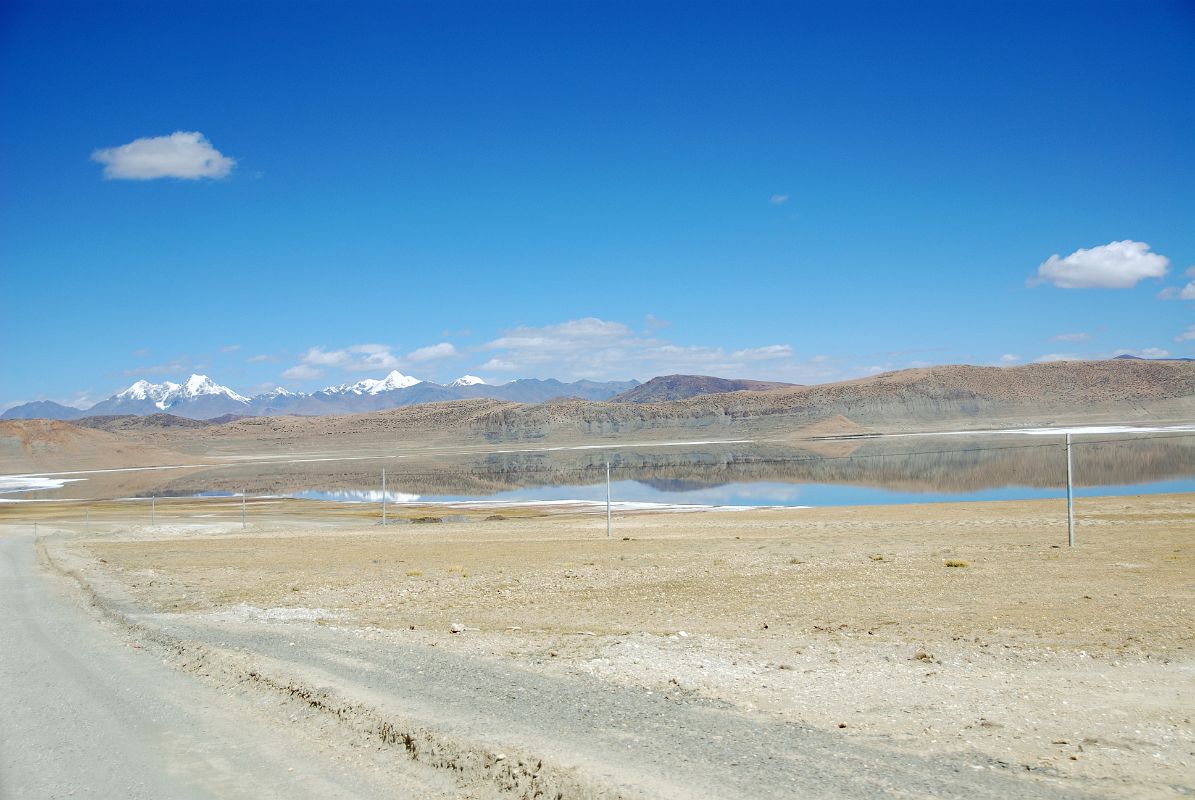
[1116,265]
[1186,336]
[174,367]
[258,359]
[357,358]
[1147,352]
[317,356]
[182,154]
[779,199]
[451,334]
[441,350]
[1009,358]
[1178,292]
[1073,337]
[763,353]
[230,348]
[1049,358]
[498,365]
[653,323]
[302,372]
[142,353]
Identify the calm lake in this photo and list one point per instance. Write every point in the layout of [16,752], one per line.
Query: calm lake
[861,471]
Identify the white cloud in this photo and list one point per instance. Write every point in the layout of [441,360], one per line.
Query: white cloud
[1146,352]
[499,365]
[326,358]
[1178,292]
[763,353]
[1009,358]
[441,350]
[357,358]
[653,323]
[174,367]
[1073,337]
[259,359]
[182,154]
[1186,336]
[1116,265]
[1051,357]
[599,349]
[779,199]
[230,348]
[302,372]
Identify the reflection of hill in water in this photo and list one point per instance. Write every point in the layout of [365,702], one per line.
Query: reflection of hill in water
[949,464]
[678,484]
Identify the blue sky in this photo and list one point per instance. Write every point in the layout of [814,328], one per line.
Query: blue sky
[802,192]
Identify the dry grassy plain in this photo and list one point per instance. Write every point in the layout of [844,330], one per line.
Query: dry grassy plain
[1076,662]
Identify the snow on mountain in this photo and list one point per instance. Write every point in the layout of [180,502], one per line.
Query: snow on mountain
[395,380]
[198,385]
[168,393]
[278,391]
[159,393]
[468,380]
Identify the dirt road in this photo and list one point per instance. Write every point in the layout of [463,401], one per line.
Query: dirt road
[90,712]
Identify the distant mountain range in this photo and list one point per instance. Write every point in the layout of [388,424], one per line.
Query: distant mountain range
[679,387]
[199,397]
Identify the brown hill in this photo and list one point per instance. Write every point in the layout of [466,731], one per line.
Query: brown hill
[933,398]
[680,387]
[42,444]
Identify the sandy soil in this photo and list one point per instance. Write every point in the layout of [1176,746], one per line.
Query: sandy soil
[1075,662]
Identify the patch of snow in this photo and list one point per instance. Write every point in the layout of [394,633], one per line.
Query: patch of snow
[29,483]
[468,380]
[1074,429]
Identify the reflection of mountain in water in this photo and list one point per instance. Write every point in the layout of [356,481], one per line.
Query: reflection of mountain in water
[678,484]
[951,465]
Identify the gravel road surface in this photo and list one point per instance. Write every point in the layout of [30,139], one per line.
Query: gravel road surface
[89,714]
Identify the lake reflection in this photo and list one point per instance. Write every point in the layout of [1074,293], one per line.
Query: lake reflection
[834,472]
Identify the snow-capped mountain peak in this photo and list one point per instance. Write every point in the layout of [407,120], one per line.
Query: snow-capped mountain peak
[198,385]
[278,391]
[144,390]
[395,380]
[167,393]
[468,380]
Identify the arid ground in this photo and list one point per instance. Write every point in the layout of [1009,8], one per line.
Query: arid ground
[966,631]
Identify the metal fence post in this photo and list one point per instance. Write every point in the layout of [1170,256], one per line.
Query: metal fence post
[608,533]
[1070,497]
